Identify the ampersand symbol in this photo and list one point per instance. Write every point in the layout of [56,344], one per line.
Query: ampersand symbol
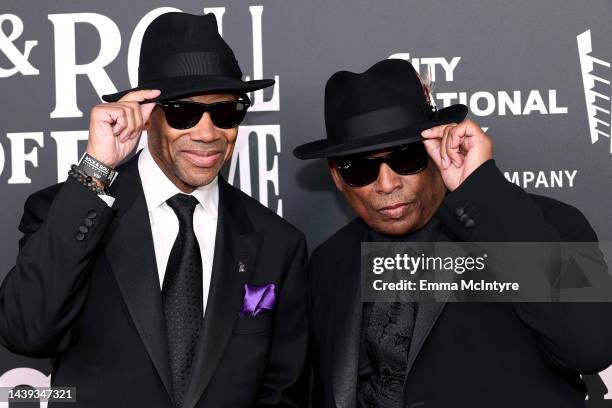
[19,60]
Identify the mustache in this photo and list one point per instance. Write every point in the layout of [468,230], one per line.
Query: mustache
[198,145]
[394,199]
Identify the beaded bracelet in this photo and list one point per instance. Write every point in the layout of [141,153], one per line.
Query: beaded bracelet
[78,174]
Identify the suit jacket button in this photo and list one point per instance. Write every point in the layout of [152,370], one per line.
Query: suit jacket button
[459,211]
[80,236]
[470,223]
[83,229]
[88,222]
[463,217]
[92,214]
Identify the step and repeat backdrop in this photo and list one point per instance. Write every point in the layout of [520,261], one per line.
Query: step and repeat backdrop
[535,75]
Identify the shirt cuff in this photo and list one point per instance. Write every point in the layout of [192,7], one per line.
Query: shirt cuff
[109,200]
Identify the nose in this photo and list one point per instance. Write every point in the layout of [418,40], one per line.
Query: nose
[205,130]
[388,181]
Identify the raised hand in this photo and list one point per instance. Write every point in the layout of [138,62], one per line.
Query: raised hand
[114,128]
[457,150]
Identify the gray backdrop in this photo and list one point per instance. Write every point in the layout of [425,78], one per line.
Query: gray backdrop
[536,74]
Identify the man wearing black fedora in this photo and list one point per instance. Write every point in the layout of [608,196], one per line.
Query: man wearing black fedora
[155,283]
[414,173]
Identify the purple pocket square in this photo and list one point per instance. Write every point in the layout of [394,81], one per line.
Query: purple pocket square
[258,299]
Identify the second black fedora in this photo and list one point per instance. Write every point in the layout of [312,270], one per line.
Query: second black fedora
[183,54]
[380,108]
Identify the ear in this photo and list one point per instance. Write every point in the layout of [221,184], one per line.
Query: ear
[152,117]
[336,175]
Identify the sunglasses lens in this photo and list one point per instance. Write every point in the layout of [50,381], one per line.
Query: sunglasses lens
[182,116]
[358,172]
[409,160]
[185,115]
[227,115]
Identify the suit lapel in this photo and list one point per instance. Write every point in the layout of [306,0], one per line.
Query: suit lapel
[235,244]
[131,254]
[348,310]
[426,318]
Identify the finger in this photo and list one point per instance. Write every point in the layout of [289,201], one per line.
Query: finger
[433,150]
[140,96]
[473,136]
[130,123]
[117,119]
[444,148]
[435,132]
[455,140]
[145,111]
[138,121]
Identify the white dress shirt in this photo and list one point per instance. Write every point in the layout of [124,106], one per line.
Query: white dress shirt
[164,223]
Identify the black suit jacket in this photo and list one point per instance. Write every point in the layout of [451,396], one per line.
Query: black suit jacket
[94,305]
[467,354]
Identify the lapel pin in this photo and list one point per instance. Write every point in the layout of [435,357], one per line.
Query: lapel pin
[241,267]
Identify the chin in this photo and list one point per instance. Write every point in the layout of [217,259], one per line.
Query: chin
[200,181]
[196,177]
[395,227]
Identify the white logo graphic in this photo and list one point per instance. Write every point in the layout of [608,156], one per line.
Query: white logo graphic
[596,74]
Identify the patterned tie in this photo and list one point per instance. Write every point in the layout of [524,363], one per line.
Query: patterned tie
[182,295]
[388,337]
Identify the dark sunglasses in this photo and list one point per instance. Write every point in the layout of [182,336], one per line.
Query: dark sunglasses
[360,170]
[185,114]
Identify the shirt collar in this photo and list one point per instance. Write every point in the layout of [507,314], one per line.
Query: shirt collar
[158,188]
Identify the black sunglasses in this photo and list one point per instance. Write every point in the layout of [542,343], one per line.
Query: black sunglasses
[360,170]
[185,114]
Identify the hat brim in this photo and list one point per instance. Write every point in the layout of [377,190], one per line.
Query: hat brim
[172,88]
[322,149]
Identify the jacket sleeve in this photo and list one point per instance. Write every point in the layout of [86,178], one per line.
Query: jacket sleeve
[286,381]
[572,336]
[62,228]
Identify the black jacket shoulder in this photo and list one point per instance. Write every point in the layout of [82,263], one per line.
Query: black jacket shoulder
[569,221]
[264,218]
[335,247]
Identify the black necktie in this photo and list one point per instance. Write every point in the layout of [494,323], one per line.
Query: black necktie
[182,295]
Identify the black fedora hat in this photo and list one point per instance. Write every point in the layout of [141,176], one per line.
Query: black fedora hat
[380,108]
[183,54]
